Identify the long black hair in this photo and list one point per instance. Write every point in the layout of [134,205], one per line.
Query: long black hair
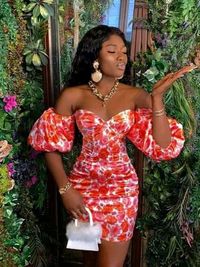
[88,51]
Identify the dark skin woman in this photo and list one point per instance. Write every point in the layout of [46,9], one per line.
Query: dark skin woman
[106,111]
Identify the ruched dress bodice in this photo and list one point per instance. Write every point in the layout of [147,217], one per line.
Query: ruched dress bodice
[103,168]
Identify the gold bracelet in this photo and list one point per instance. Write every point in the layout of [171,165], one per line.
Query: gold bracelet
[159,111]
[159,114]
[64,189]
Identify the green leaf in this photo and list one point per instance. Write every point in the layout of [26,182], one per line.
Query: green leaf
[28,58]
[8,212]
[36,60]
[34,20]
[44,12]
[43,58]
[36,11]
[49,9]
[30,7]
[48,1]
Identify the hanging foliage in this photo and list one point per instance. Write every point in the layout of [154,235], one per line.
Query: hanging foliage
[171,189]
[21,96]
[78,18]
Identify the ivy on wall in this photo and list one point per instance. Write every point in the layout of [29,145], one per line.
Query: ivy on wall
[88,15]
[170,222]
[22,193]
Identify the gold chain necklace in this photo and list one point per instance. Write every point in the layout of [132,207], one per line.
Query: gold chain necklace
[103,98]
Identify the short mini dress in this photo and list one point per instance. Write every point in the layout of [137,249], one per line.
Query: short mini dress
[103,172]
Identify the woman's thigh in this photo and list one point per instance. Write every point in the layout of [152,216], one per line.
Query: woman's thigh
[112,254]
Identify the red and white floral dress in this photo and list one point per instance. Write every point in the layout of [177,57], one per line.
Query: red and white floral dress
[103,173]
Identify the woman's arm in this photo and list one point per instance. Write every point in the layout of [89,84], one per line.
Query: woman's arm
[161,130]
[71,198]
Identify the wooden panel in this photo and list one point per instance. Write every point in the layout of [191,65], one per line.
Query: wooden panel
[141,39]
[140,34]
[123,15]
[144,31]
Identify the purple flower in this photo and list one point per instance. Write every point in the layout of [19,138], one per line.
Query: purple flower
[25,169]
[11,169]
[10,103]
[187,233]
[32,181]
[161,39]
[34,154]
[158,38]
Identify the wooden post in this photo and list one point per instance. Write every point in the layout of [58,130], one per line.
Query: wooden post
[139,43]
[140,35]
[51,83]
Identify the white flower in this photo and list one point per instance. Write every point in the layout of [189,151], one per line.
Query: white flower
[5,149]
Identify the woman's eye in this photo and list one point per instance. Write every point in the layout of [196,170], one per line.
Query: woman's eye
[113,52]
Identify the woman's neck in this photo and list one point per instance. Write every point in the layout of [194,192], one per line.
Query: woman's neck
[105,85]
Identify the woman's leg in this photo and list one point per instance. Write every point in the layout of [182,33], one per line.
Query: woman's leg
[112,254]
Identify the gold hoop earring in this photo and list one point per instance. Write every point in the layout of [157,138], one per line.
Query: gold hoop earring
[97,75]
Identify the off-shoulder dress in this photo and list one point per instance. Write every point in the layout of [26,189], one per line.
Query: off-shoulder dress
[103,172]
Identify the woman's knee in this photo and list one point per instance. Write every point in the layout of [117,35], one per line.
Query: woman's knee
[112,254]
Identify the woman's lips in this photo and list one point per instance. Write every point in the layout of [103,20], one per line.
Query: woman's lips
[121,66]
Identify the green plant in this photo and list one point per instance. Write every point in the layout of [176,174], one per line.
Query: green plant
[90,15]
[34,54]
[171,218]
[20,103]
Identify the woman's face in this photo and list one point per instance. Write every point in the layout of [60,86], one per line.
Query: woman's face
[113,57]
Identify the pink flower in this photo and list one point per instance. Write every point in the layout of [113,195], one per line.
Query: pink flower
[11,103]
[32,181]
[187,233]
[11,170]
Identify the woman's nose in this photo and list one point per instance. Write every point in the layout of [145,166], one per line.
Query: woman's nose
[122,56]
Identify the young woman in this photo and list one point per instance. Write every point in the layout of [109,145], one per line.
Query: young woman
[106,112]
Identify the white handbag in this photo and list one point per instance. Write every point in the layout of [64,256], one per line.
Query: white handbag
[84,235]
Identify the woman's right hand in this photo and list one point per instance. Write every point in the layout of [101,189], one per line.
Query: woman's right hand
[73,202]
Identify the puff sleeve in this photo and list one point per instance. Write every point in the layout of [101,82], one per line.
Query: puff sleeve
[52,132]
[141,136]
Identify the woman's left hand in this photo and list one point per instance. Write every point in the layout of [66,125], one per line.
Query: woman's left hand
[164,84]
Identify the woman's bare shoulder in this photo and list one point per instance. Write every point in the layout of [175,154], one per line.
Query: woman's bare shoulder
[71,91]
[139,95]
[68,99]
[132,89]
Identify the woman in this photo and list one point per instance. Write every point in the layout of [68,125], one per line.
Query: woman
[106,112]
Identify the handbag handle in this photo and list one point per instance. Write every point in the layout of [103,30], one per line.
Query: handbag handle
[90,218]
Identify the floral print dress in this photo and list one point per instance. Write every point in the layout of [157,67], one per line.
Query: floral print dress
[103,173]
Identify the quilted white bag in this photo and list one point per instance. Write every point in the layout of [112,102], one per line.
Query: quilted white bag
[84,235]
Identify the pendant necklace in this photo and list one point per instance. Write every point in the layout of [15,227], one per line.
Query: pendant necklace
[99,95]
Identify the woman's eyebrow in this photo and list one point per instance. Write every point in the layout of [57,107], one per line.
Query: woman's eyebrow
[114,45]
[110,45]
